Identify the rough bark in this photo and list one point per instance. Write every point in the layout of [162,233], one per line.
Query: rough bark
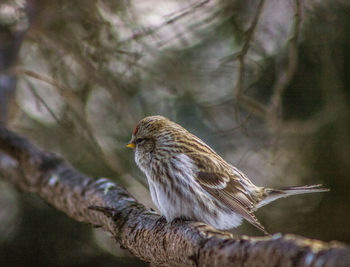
[142,231]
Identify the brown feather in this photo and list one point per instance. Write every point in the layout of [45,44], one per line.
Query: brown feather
[233,199]
[225,187]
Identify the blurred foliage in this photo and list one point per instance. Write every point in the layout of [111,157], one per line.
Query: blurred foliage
[89,70]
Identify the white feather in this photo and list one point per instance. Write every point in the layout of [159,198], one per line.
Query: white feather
[171,206]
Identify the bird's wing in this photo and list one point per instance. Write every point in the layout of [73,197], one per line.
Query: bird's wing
[226,187]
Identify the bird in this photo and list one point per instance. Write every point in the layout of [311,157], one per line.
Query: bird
[188,179]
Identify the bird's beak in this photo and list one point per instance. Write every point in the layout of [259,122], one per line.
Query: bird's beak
[131,145]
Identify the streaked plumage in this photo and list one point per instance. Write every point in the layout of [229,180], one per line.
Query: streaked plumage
[189,179]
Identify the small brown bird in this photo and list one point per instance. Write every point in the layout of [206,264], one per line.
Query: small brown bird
[190,180]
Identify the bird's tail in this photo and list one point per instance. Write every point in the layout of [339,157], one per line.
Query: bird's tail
[273,194]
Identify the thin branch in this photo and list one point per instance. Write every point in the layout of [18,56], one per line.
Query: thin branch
[12,34]
[72,101]
[249,103]
[143,232]
[246,45]
[42,101]
[183,13]
[287,74]
[77,110]
[241,125]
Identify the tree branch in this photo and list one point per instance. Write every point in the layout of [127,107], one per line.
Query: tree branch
[141,231]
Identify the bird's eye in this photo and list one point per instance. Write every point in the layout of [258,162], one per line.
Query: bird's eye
[139,140]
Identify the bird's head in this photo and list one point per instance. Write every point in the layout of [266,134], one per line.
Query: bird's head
[150,132]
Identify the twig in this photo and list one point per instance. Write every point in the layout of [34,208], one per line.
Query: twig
[246,45]
[239,126]
[247,102]
[42,101]
[76,108]
[171,20]
[286,75]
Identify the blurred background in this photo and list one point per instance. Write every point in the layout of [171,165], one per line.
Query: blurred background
[265,83]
